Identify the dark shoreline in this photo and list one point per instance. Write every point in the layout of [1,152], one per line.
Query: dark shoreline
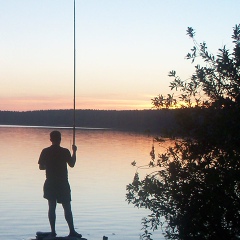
[148,121]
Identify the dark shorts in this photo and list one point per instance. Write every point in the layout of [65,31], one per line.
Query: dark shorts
[57,190]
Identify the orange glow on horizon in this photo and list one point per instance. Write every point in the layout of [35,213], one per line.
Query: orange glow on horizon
[48,103]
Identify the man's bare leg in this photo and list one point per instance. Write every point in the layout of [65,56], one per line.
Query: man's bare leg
[69,219]
[52,215]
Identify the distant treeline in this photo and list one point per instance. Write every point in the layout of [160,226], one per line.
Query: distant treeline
[128,120]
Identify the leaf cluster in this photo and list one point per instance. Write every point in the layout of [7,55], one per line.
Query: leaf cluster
[215,83]
[194,194]
[194,190]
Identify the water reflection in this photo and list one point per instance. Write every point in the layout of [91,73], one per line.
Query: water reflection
[98,183]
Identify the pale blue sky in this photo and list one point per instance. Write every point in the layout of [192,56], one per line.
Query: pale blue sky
[124,49]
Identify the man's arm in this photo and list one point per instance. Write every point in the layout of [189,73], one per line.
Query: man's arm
[72,161]
[41,161]
[42,167]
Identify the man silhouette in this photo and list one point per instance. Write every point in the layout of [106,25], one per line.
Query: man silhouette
[54,160]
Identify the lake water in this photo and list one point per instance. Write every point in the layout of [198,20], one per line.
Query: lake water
[98,182]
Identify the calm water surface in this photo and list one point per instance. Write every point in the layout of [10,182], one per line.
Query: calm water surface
[98,183]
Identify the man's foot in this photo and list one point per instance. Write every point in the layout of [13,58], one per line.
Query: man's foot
[51,235]
[75,234]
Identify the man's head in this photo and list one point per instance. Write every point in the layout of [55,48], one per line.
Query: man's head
[55,137]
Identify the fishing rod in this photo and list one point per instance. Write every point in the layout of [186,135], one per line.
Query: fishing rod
[74,76]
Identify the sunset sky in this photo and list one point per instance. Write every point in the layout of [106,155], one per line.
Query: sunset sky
[124,49]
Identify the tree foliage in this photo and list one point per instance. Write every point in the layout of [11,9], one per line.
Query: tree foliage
[193,191]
